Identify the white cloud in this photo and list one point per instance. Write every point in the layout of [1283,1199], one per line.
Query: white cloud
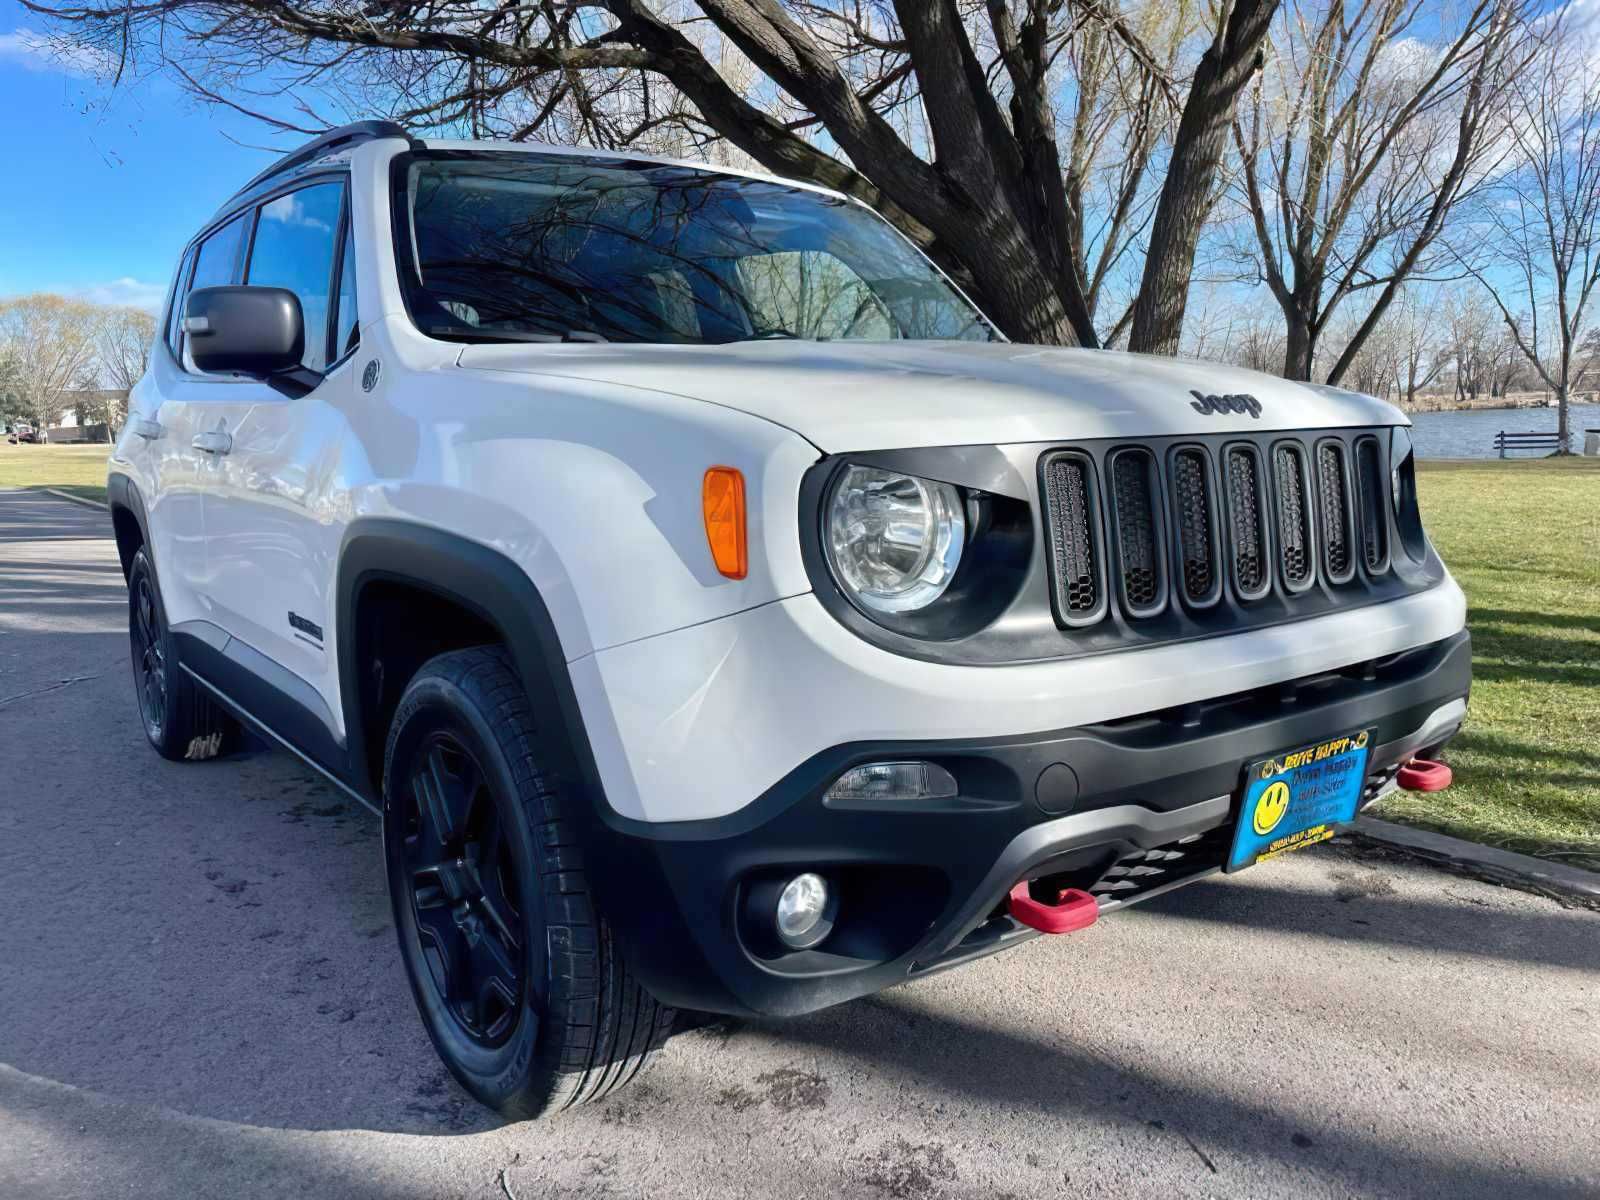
[40,52]
[125,291]
[291,210]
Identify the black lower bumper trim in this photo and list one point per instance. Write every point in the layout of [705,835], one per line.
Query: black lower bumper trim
[921,889]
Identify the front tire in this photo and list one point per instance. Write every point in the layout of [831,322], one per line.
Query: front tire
[518,981]
[181,721]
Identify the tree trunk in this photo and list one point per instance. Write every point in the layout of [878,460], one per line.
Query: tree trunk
[1186,193]
[1014,291]
[1300,348]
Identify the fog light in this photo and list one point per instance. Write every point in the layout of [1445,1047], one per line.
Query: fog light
[804,914]
[893,781]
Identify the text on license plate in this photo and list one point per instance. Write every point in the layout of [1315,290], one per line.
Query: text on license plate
[1298,799]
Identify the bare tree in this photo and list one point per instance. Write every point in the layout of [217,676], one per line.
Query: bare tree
[1536,249]
[943,114]
[1245,331]
[1423,350]
[1476,343]
[1363,136]
[1118,124]
[1401,357]
[50,343]
[10,397]
[1375,367]
[122,349]
[1228,65]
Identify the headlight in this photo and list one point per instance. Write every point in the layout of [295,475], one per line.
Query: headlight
[894,540]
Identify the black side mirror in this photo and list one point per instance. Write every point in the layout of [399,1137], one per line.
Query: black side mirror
[254,331]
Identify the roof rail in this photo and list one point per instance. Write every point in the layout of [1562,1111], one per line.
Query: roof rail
[345,135]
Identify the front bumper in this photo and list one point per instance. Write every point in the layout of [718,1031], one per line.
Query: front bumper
[922,887]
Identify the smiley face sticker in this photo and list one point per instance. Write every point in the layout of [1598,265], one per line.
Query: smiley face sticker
[1270,807]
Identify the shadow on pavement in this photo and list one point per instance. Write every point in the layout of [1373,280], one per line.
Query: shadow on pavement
[1366,908]
[35,517]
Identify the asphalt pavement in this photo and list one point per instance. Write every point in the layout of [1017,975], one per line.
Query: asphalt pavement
[200,996]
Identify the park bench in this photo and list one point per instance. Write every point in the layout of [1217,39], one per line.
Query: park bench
[1504,441]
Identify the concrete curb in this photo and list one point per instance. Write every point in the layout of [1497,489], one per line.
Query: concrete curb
[1500,866]
[60,495]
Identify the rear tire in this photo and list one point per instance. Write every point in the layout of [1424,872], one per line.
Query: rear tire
[181,720]
[518,981]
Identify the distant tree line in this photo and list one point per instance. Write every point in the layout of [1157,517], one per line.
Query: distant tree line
[59,354]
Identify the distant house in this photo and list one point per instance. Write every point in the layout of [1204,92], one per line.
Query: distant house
[81,414]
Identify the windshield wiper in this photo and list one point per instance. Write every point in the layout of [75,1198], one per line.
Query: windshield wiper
[469,333]
[766,335]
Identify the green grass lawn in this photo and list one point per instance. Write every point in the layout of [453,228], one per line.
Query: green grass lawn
[1523,540]
[80,470]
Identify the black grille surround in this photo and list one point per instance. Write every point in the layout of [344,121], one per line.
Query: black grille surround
[1257,529]
[1048,573]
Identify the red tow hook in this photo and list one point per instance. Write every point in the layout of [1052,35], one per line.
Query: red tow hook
[1072,911]
[1424,775]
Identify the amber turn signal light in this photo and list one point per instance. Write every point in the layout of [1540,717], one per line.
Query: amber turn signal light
[722,501]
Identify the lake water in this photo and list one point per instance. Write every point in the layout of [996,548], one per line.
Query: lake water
[1471,434]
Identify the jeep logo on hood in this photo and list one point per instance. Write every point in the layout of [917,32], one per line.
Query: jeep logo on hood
[1224,404]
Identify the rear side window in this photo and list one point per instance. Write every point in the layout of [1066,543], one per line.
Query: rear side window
[293,249]
[216,265]
[180,292]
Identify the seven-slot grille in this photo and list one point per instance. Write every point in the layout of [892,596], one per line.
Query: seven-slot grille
[1218,517]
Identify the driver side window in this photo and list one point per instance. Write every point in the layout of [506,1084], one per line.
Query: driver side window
[293,249]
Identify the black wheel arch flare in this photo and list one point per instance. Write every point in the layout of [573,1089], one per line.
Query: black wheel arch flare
[621,865]
[127,504]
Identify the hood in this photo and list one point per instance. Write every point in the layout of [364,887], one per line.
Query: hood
[844,396]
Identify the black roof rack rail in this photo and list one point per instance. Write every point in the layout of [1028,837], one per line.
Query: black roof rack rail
[344,135]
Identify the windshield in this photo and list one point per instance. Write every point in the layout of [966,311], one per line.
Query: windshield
[515,247]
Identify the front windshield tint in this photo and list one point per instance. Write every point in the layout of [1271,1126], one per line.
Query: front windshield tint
[514,247]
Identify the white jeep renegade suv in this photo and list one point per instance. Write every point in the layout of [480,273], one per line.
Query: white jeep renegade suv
[720,613]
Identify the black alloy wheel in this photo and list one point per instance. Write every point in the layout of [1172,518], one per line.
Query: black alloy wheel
[149,656]
[465,890]
[519,983]
[180,719]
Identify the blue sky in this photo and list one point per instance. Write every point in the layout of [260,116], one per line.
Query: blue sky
[105,186]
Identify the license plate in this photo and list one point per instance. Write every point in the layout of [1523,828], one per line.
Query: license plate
[1298,799]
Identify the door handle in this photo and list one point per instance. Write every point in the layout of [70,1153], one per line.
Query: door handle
[147,429]
[215,442]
